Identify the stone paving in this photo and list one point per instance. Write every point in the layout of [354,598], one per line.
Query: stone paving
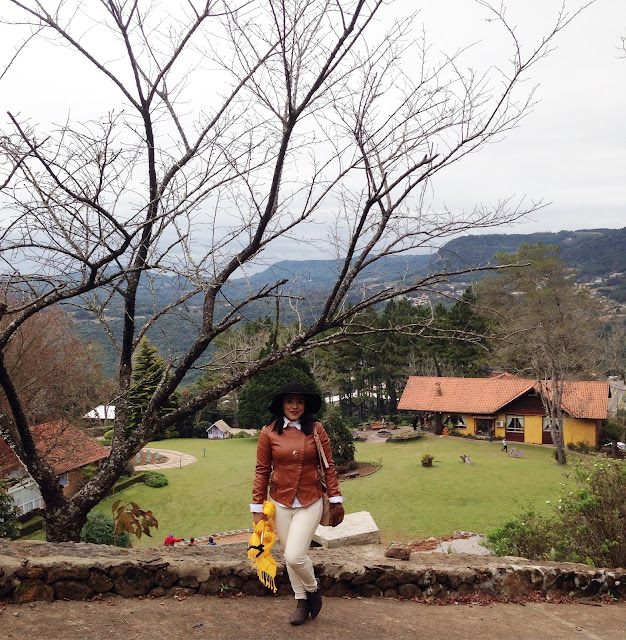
[175,459]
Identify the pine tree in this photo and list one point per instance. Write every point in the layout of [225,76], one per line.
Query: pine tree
[148,372]
[257,394]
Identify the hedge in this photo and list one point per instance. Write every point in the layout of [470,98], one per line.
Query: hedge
[28,528]
[128,482]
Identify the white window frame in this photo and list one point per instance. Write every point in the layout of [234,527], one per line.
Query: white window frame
[457,421]
[517,428]
[545,421]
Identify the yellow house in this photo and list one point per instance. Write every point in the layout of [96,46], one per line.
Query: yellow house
[508,406]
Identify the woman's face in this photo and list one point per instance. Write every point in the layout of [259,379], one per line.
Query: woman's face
[293,406]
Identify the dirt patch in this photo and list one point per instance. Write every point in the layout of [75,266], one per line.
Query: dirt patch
[266,618]
[363,469]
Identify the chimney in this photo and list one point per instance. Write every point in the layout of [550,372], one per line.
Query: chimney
[438,388]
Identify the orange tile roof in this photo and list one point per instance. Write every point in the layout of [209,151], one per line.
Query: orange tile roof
[586,399]
[484,396]
[461,395]
[8,460]
[62,445]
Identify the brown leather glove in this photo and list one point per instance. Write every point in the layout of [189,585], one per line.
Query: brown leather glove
[257,517]
[336,513]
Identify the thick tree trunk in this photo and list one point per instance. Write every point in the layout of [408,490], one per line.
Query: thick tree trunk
[63,523]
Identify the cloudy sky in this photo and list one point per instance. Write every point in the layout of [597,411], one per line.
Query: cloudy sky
[570,151]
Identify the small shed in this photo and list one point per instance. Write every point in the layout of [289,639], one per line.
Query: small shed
[218,431]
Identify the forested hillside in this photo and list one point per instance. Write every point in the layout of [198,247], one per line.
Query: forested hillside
[594,254]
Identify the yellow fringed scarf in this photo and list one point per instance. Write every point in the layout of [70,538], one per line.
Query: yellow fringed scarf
[260,547]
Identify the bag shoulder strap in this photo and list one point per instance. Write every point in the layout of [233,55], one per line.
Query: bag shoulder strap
[320,451]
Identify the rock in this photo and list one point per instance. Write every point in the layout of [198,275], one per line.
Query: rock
[188,581]
[365,577]
[211,587]
[72,590]
[398,551]
[338,590]
[157,592]
[409,591]
[369,590]
[7,584]
[234,583]
[356,529]
[179,591]
[99,581]
[165,578]
[67,572]
[255,588]
[31,572]
[135,582]
[33,591]
[119,570]
[386,581]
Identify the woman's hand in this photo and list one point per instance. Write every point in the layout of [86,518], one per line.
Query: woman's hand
[257,517]
[336,513]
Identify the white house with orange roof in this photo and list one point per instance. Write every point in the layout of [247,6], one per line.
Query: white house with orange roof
[509,407]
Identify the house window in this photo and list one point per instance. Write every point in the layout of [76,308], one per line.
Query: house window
[64,480]
[515,423]
[546,424]
[456,421]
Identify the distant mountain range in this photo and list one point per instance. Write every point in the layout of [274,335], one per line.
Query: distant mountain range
[591,252]
[597,255]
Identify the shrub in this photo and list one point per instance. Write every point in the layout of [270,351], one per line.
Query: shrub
[31,526]
[155,479]
[341,441]
[583,447]
[8,515]
[530,535]
[99,530]
[593,516]
[128,482]
[587,526]
[108,436]
[200,429]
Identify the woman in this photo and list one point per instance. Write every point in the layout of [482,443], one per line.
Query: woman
[287,460]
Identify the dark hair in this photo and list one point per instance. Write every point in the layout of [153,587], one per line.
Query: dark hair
[307,422]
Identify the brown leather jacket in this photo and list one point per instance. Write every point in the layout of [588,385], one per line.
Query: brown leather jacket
[291,460]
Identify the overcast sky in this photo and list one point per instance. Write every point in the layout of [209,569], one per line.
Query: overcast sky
[570,151]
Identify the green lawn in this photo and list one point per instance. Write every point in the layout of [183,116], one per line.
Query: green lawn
[406,500]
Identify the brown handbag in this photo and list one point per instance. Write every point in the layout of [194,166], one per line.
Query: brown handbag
[325,521]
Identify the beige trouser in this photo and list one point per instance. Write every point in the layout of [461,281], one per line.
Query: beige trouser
[295,529]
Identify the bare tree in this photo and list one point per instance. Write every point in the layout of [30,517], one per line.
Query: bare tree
[547,327]
[311,129]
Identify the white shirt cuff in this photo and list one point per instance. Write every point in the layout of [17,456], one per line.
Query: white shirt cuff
[256,508]
[336,499]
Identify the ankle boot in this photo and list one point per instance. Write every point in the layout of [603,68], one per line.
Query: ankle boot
[314,602]
[300,614]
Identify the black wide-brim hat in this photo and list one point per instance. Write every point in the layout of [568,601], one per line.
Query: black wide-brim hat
[312,400]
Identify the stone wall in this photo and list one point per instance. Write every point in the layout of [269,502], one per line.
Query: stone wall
[31,570]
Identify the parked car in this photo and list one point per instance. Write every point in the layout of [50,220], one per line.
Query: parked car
[621,449]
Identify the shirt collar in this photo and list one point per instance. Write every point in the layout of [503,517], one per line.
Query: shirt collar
[295,423]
